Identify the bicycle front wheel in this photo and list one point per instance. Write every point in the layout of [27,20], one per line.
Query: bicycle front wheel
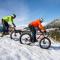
[45,43]
[15,35]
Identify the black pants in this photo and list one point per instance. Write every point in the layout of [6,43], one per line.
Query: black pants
[33,30]
[5,26]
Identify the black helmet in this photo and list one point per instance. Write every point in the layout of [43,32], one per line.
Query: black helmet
[14,15]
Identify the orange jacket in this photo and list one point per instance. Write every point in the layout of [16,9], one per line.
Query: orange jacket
[37,23]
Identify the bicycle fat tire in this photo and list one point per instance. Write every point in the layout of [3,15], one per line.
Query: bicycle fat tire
[23,35]
[48,41]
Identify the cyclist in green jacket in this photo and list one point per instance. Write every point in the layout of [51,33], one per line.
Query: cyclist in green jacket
[6,21]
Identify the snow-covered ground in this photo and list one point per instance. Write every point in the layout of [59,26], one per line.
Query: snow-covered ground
[13,50]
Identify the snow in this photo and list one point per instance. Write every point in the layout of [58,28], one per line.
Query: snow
[13,50]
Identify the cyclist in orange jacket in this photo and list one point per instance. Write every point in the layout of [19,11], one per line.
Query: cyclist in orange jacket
[36,24]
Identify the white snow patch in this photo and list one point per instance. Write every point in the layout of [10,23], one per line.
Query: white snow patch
[13,50]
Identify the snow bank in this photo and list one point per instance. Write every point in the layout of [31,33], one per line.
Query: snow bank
[13,50]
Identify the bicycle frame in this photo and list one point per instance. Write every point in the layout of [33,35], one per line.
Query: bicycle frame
[41,36]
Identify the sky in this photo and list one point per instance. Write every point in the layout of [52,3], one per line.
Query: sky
[29,10]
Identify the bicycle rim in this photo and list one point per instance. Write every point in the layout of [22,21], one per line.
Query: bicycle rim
[15,35]
[45,43]
[25,38]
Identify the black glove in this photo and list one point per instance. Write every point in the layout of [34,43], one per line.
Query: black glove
[14,25]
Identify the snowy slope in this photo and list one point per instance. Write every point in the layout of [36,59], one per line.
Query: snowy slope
[13,50]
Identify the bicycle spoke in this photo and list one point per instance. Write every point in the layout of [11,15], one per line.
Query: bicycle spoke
[45,43]
[15,36]
[25,39]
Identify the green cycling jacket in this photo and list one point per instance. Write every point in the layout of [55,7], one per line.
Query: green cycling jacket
[8,19]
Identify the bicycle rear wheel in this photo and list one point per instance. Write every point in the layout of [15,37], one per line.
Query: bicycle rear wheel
[25,38]
[45,43]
